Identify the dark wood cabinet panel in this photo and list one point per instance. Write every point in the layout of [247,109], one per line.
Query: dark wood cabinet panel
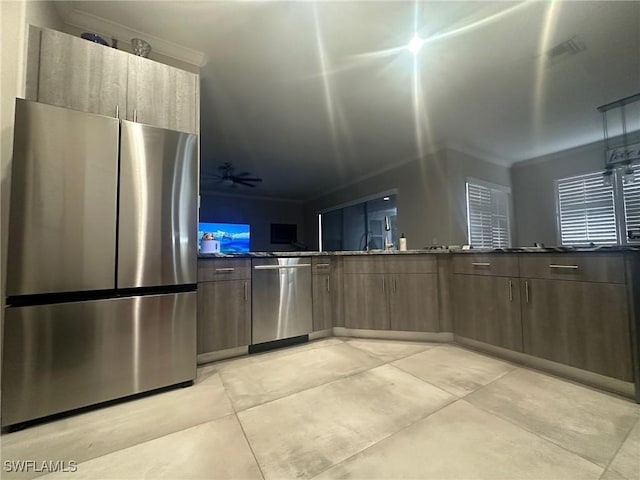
[497,264]
[214,269]
[365,301]
[413,302]
[81,75]
[322,305]
[581,324]
[596,267]
[488,309]
[224,315]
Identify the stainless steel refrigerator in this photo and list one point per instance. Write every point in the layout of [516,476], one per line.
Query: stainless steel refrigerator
[102,258]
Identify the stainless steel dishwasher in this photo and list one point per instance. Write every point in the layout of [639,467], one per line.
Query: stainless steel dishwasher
[281,292]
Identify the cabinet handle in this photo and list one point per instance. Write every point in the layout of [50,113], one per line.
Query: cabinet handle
[481,264]
[383,287]
[510,291]
[225,270]
[245,292]
[569,267]
[328,288]
[395,287]
[135,114]
[526,290]
[322,265]
[117,111]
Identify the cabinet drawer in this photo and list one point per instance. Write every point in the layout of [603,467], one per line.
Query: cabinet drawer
[410,264]
[608,268]
[498,265]
[321,265]
[391,263]
[364,264]
[224,269]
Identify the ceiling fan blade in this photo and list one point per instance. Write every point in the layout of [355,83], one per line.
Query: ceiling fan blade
[244,179]
[246,184]
[243,174]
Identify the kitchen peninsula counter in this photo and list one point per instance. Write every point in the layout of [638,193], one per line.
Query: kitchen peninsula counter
[570,311]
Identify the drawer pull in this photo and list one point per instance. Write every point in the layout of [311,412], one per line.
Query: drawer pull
[510,291]
[322,265]
[567,267]
[481,264]
[225,270]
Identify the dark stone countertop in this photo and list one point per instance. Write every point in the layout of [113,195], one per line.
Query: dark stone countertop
[431,250]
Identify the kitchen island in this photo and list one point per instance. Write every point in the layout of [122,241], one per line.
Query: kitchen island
[569,311]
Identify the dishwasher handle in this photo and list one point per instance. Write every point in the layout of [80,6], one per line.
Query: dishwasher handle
[278,267]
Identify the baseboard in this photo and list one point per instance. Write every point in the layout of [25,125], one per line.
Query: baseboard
[222,354]
[393,335]
[620,387]
[321,334]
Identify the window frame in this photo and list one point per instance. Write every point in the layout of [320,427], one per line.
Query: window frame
[618,206]
[491,186]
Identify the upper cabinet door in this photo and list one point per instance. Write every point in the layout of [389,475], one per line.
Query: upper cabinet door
[162,95]
[78,74]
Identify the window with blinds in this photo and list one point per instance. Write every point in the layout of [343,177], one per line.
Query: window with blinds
[488,215]
[631,198]
[586,209]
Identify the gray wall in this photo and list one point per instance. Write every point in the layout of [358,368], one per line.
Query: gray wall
[431,196]
[257,212]
[534,194]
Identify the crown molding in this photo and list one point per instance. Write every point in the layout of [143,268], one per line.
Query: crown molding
[93,23]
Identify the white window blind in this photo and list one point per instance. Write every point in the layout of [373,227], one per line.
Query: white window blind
[631,195]
[487,216]
[586,208]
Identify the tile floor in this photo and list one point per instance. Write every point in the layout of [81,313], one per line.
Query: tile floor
[349,408]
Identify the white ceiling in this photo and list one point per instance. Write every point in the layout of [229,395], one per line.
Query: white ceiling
[312,95]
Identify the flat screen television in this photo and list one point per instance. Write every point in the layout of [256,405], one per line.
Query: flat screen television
[233,237]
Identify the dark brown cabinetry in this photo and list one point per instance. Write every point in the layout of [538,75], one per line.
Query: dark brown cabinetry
[224,304]
[391,293]
[70,72]
[321,284]
[486,299]
[581,320]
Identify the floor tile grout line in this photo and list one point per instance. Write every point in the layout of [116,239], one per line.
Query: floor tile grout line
[312,386]
[526,429]
[143,442]
[458,397]
[423,417]
[626,437]
[250,446]
[280,353]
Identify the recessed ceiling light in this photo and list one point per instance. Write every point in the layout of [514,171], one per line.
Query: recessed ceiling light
[415,44]
[386,199]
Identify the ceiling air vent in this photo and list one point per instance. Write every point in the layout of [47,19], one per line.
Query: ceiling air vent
[565,49]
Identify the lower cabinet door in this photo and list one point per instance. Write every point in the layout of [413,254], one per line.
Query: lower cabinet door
[581,324]
[224,315]
[322,308]
[414,302]
[365,301]
[487,309]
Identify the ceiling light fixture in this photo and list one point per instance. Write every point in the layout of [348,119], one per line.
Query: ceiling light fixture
[386,199]
[415,44]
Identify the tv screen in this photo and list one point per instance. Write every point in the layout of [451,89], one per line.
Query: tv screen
[233,237]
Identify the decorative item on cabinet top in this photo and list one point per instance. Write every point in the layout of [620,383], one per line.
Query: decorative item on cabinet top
[140,47]
[95,38]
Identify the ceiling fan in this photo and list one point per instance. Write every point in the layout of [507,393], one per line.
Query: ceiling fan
[227,176]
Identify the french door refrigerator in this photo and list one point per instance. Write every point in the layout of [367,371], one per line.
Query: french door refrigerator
[102,258]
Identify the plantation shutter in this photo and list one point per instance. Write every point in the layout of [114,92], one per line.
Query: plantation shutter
[488,216]
[631,195]
[587,210]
